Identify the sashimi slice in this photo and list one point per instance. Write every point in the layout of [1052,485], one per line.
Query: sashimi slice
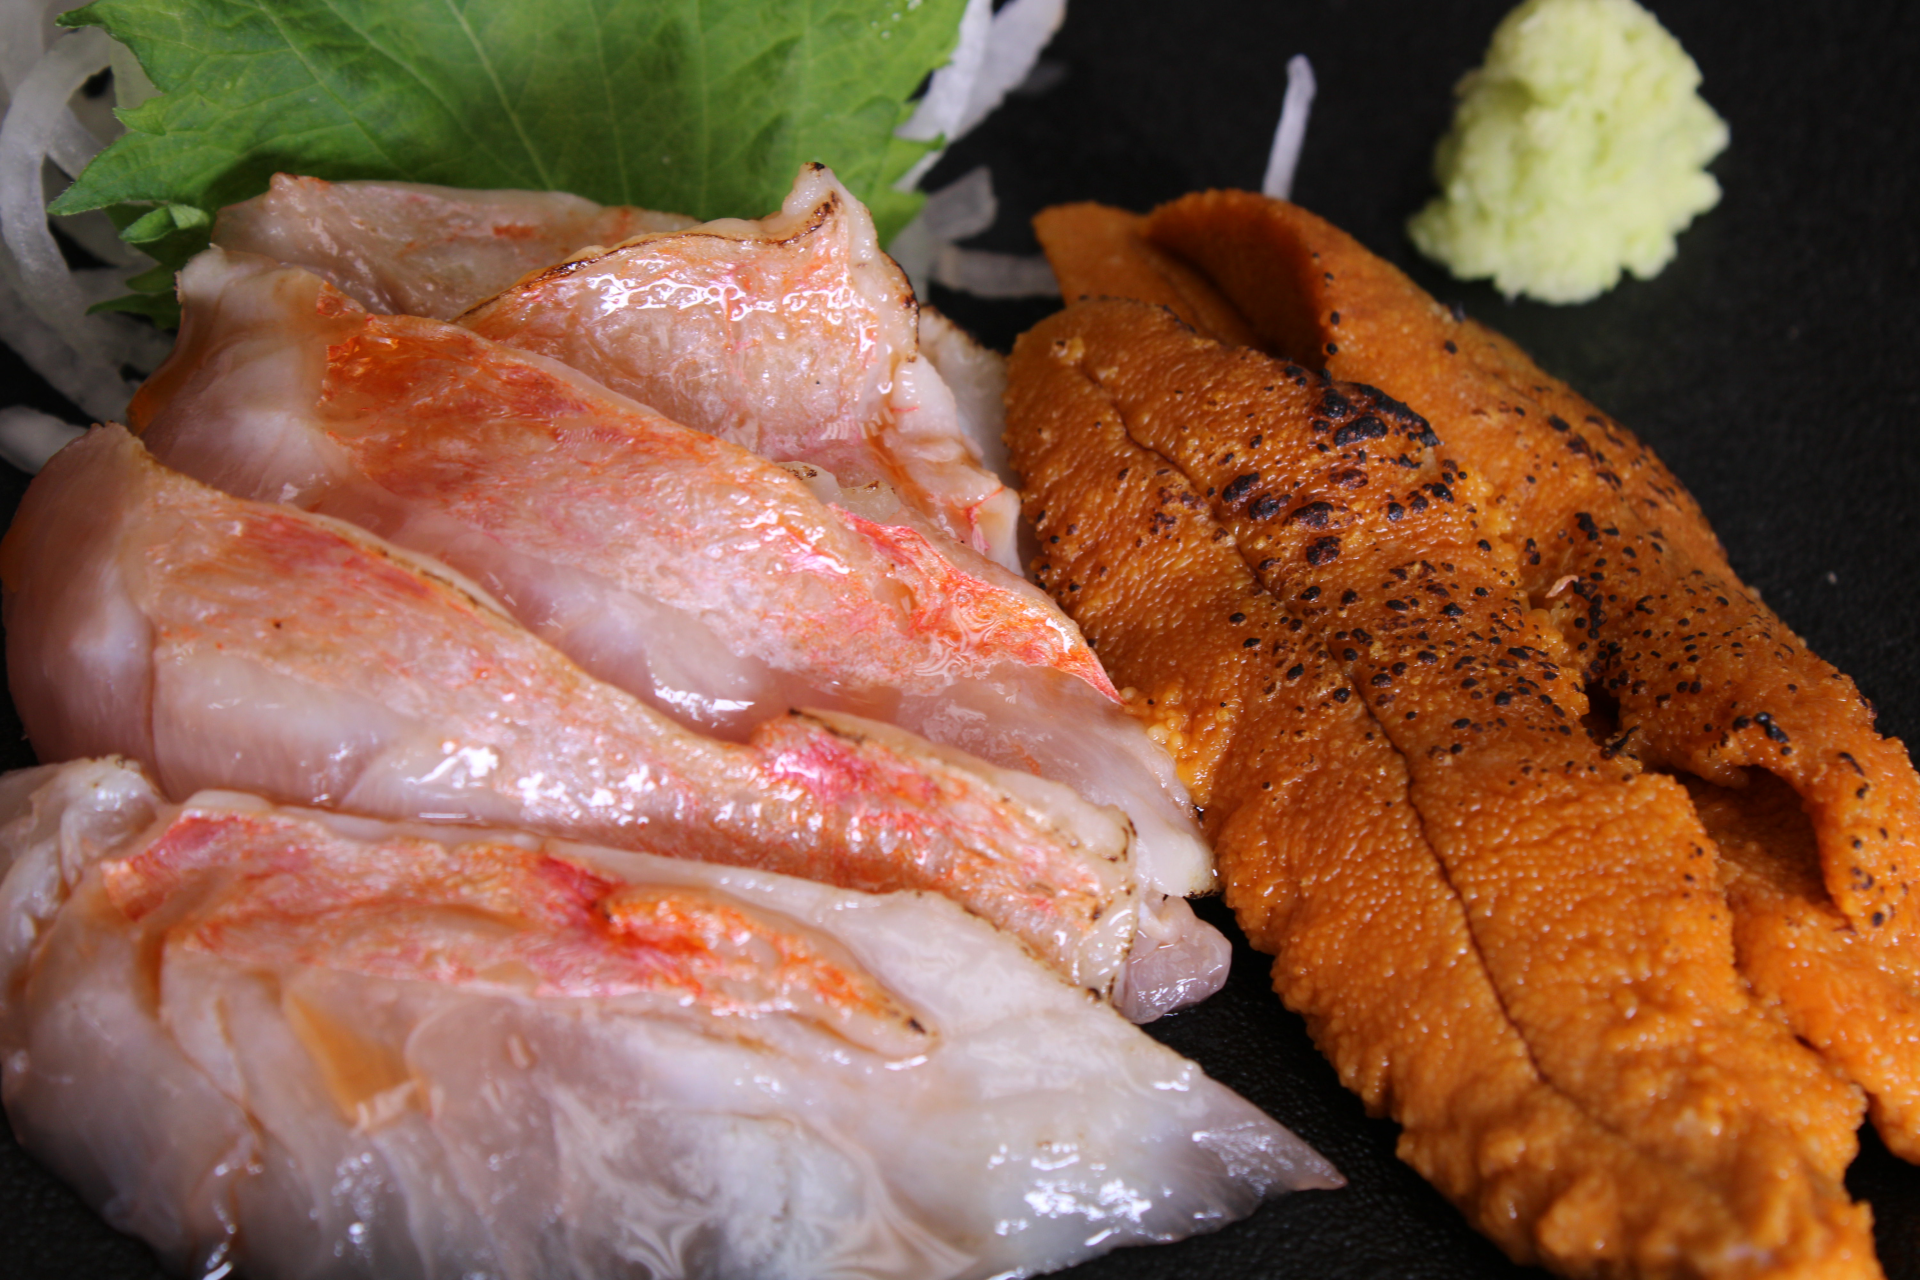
[793,336]
[254,646]
[298,1044]
[713,584]
[419,249]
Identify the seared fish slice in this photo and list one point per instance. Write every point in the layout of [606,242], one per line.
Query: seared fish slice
[709,582]
[413,249]
[714,584]
[306,1045]
[253,646]
[793,336]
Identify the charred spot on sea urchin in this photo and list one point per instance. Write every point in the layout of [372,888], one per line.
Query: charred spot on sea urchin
[1367,427]
[1313,515]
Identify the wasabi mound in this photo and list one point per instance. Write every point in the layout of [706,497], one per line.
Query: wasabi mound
[1579,149]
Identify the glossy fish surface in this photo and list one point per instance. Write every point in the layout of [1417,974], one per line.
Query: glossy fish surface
[793,336]
[255,646]
[718,587]
[301,1044]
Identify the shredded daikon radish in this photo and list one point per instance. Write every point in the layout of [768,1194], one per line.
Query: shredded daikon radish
[963,208]
[29,437]
[939,113]
[926,251]
[26,28]
[1020,31]
[960,209]
[995,275]
[33,126]
[43,301]
[1291,133]
[996,54]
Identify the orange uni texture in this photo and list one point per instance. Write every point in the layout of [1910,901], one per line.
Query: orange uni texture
[1509,941]
[1329,870]
[1706,676]
[1703,676]
[1857,1002]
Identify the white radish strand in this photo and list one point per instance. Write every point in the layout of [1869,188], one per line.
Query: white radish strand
[987,274]
[32,125]
[29,437]
[962,208]
[75,374]
[926,251]
[996,55]
[1291,134]
[941,109]
[1020,31]
[43,302]
[24,31]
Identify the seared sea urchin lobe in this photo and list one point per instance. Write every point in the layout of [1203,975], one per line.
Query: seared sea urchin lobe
[1322,856]
[1621,982]
[1607,537]
[1854,999]
[1699,674]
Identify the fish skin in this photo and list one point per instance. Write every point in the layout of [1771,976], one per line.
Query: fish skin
[713,584]
[417,249]
[1552,960]
[491,915]
[793,336]
[1587,501]
[258,647]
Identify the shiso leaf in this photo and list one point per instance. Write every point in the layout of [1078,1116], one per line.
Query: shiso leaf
[703,107]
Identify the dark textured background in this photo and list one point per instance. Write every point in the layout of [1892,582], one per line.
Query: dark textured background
[1775,366]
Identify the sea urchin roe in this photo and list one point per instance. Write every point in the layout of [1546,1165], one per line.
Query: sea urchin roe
[1503,867]
[1579,149]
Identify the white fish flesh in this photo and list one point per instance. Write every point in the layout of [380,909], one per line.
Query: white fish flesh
[793,336]
[311,1046]
[707,581]
[258,647]
[421,250]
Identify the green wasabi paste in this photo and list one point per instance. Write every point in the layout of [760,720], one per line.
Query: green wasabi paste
[1579,149]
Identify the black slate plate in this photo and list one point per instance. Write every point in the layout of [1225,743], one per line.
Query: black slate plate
[1775,366]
